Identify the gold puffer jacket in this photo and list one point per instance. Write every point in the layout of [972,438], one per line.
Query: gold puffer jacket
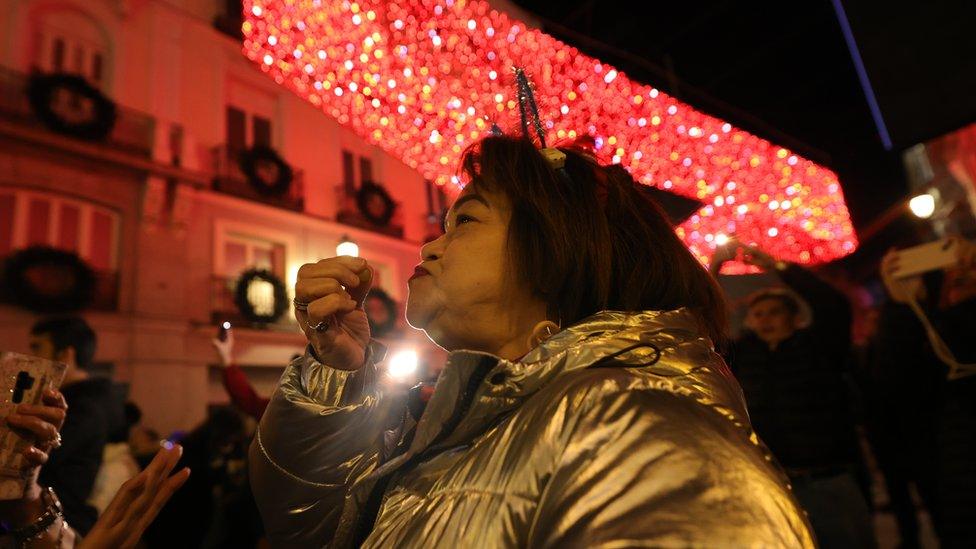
[624,430]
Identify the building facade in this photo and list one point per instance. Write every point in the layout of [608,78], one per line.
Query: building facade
[160,209]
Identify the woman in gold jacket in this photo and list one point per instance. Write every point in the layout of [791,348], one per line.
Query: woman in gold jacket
[582,405]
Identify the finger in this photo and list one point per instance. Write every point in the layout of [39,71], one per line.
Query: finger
[359,292]
[309,289]
[331,268]
[53,397]
[54,416]
[893,265]
[157,471]
[171,456]
[323,308]
[162,496]
[123,499]
[34,457]
[43,430]
[163,463]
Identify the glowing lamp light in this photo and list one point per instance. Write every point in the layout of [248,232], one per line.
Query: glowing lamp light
[347,247]
[403,364]
[423,80]
[923,205]
[721,239]
[226,325]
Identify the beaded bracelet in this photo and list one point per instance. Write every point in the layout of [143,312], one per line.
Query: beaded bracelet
[52,512]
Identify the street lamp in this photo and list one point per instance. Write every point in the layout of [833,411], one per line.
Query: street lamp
[923,205]
[347,247]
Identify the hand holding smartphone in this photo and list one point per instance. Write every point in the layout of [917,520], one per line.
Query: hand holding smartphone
[23,380]
[932,256]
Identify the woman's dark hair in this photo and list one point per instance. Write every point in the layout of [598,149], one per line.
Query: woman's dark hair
[594,240]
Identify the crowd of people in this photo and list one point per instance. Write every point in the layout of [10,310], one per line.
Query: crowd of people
[654,413]
[813,396]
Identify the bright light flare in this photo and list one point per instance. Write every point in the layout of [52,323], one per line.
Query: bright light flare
[923,205]
[403,364]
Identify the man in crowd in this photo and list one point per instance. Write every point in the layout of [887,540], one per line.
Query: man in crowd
[798,400]
[93,412]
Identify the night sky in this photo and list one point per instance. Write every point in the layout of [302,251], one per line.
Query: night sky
[782,70]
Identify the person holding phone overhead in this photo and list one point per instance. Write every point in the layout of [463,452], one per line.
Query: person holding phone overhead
[924,429]
[238,387]
[583,403]
[792,372]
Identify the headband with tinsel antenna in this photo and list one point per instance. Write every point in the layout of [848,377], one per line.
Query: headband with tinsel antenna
[527,107]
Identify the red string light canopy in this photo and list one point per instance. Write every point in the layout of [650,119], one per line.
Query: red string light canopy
[423,79]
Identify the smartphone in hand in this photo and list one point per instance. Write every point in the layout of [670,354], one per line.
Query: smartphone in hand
[932,256]
[23,380]
[223,331]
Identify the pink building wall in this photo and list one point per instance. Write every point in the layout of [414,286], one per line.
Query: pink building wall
[167,60]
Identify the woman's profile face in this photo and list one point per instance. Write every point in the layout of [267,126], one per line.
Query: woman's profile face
[469,299]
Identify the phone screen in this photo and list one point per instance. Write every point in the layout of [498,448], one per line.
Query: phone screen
[222,331]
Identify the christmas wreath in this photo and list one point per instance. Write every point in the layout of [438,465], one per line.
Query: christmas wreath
[381,311]
[47,280]
[266,171]
[68,104]
[260,308]
[375,203]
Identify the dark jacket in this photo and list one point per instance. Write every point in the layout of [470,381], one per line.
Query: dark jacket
[93,411]
[797,395]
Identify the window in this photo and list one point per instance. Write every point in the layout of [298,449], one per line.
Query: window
[242,252]
[261,130]
[29,218]
[348,172]
[236,137]
[350,179]
[365,169]
[250,111]
[237,249]
[71,41]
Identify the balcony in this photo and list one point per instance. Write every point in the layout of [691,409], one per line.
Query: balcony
[229,179]
[133,131]
[223,308]
[349,214]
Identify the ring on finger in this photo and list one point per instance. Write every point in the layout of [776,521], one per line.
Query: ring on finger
[321,326]
[56,441]
[300,305]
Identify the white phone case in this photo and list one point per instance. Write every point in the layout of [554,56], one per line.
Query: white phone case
[23,379]
[932,256]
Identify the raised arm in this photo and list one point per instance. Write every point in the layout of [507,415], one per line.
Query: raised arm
[324,426]
[322,430]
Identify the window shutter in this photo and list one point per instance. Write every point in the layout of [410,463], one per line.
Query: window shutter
[261,128]
[236,124]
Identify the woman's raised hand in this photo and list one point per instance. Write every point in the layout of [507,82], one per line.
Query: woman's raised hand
[332,292]
[901,290]
[137,503]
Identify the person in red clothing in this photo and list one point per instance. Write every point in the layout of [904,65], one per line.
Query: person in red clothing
[242,394]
